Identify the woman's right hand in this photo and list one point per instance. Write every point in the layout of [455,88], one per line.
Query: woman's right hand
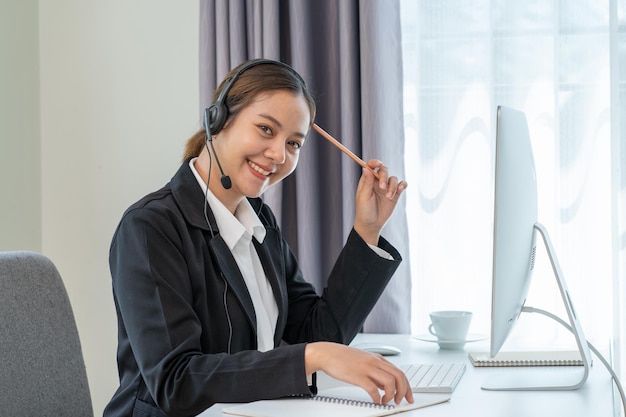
[370,371]
[376,200]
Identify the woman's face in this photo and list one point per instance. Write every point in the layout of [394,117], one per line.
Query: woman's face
[262,144]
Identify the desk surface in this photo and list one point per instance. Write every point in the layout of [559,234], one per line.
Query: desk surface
[595,398]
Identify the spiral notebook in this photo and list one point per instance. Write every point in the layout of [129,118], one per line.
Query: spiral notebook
[349,401]
[530,358]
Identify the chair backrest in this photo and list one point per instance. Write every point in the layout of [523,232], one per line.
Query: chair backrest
[42,372]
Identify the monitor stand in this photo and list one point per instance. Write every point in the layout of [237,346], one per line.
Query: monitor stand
[557,378]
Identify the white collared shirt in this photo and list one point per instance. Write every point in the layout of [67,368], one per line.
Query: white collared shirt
[237,231]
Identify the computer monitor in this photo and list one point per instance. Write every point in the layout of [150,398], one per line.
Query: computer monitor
[515,215]
[514,252]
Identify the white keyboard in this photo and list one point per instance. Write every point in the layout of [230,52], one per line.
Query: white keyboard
[434,377]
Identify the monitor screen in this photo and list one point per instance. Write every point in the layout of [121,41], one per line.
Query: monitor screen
[515,215]
[514,248]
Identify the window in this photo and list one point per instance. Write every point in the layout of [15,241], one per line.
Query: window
[563,63]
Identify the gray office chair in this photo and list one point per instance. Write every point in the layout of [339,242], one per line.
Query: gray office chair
[42,372]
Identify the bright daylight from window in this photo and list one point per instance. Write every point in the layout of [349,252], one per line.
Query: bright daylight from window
[551,60]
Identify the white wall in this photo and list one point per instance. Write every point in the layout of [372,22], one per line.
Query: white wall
[118,97]
[20,172]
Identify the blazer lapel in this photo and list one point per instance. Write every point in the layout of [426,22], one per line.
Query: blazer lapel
[274,272]
[231,273]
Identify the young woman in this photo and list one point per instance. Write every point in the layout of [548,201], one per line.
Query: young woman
[211,304]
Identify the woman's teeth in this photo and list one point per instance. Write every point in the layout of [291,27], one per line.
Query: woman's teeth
[258,168]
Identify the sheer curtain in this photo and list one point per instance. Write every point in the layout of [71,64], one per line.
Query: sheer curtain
[563,63]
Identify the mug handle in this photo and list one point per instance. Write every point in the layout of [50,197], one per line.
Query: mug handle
[430,329]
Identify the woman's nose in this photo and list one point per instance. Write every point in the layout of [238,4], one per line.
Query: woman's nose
[277,152]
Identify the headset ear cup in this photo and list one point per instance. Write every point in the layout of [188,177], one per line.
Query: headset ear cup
[218,111]
[217,117]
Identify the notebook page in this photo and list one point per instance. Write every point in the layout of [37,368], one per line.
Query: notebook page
[332,402]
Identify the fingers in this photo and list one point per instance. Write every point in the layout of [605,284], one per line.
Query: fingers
[370,371]
[391,186]
[376,200]
[402,388]
[383,376]
[395,385]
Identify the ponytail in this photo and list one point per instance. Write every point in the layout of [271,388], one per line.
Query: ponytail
[194,145]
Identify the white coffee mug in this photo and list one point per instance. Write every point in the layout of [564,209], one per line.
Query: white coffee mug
[450,325]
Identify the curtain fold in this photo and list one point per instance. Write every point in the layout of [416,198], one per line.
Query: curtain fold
[383,138]
[349,53]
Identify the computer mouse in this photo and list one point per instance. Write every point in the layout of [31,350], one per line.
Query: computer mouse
[380,348]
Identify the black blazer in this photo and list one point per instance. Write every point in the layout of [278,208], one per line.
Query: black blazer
[186,323]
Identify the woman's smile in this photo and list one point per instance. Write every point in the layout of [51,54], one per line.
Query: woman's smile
[259,171]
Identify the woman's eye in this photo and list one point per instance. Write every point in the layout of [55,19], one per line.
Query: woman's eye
[295,144]
[267,130]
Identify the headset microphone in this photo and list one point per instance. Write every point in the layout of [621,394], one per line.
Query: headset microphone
[225,180]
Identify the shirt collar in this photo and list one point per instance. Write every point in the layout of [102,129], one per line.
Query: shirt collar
[232,227]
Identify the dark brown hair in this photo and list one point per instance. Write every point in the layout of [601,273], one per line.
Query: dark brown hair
[249,85]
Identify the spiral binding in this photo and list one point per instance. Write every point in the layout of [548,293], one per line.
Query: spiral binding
[355,403]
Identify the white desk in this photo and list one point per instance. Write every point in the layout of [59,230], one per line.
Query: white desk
[594,399]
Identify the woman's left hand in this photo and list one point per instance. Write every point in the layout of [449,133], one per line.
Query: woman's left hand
[375,200]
